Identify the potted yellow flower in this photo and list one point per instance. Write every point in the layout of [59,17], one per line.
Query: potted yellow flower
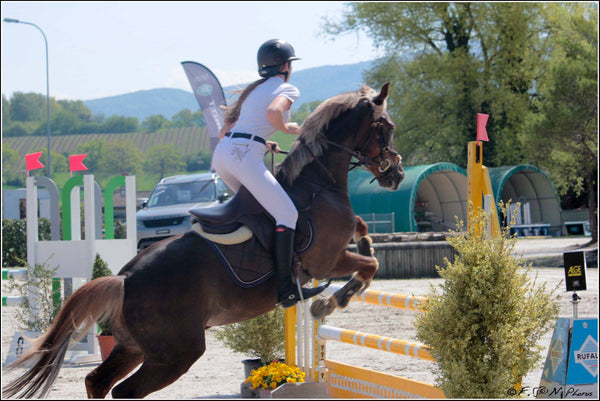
[261,337]
[269,377]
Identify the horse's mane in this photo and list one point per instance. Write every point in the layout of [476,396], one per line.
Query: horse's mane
[314,126]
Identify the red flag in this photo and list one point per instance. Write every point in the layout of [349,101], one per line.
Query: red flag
[32,161]
[481,123]
[76,162]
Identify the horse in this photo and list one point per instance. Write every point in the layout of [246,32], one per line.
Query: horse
[162,301]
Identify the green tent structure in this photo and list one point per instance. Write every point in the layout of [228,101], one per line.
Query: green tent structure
[430,198]
[434,197]
[539,211]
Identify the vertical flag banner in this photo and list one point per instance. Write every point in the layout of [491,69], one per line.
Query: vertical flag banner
[481,123]
[76,163]
[32,161]
[210,96]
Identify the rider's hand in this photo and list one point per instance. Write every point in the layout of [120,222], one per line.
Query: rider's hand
[272,147]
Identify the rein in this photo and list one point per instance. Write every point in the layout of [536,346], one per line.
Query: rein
[364,160]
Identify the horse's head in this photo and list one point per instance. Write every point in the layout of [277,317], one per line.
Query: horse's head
[374,144]
[356,123]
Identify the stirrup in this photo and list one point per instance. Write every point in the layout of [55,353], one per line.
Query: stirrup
[300,293]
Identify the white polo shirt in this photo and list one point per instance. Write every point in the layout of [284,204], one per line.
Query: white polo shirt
[253,114]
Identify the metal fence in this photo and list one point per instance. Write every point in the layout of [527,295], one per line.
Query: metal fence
[379,222]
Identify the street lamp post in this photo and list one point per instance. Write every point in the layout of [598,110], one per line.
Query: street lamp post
[47,85]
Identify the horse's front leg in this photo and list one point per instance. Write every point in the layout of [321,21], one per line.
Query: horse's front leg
[363,267]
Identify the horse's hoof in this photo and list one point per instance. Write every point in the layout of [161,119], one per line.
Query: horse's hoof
[366,285]
[321,308]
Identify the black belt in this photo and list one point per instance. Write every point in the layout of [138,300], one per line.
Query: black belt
[245,136]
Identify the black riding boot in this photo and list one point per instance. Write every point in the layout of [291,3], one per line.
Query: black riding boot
[287,291]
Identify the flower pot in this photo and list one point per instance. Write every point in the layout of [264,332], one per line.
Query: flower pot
[106,344]
[250,365]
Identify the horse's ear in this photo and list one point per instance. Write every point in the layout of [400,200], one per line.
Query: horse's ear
[382,95]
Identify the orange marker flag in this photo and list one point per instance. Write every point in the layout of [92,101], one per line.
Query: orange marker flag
[76,162]
[32,161]
[481,123]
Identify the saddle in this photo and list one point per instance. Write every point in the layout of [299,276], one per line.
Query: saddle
[241,233]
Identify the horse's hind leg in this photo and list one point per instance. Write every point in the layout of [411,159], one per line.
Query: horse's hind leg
[120,362]
[161,368]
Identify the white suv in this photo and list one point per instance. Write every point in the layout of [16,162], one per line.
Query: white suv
[166,212]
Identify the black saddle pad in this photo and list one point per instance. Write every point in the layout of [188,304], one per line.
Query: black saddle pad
[251,262]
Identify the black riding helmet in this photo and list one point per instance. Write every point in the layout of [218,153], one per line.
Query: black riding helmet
[272,54]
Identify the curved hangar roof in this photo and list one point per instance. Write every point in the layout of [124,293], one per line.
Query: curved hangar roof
[528,184]
[440,192]
[439,189]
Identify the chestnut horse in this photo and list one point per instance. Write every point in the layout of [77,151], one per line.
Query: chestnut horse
[163,300]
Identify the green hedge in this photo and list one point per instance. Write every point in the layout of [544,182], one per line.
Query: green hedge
[14,240]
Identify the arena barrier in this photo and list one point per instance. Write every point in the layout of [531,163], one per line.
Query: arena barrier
[20,274]
[307,350]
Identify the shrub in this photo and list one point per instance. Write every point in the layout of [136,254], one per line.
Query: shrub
[36,286]
[100,269]
[485,323]
[261,337]
[14,240]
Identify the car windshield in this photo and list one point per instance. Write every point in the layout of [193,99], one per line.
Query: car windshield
[183,192]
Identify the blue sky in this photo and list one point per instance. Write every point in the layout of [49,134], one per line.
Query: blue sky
[99,49]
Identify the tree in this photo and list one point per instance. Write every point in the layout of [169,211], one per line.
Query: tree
[155,122]
[119,124]
[164,159]
[64,123]
[77,108]
[447,62]
[304,110]
[564,139]
[59,162]
[10,167]
[198,161]
[6,119]
[94,151]
[185,118]
[27,107]
[120,158]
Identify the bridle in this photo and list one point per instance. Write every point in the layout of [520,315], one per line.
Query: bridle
[385,166]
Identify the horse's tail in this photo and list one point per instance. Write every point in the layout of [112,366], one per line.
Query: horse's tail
[98,299]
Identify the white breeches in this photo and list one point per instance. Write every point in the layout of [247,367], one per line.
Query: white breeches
[238,162]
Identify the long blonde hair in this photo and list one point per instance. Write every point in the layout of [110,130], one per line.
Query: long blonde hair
[233,113]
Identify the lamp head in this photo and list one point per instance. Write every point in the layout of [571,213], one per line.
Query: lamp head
[11,20]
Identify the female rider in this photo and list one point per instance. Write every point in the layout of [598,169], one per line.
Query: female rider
[262,109]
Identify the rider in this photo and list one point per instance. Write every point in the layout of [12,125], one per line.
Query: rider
[262,109]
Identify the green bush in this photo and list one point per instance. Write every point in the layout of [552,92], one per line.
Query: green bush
[261,337]
[100,269]
[14,240]
[485,322]
[36,286]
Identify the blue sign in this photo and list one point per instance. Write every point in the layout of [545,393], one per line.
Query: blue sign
[555,368]
[583,357]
